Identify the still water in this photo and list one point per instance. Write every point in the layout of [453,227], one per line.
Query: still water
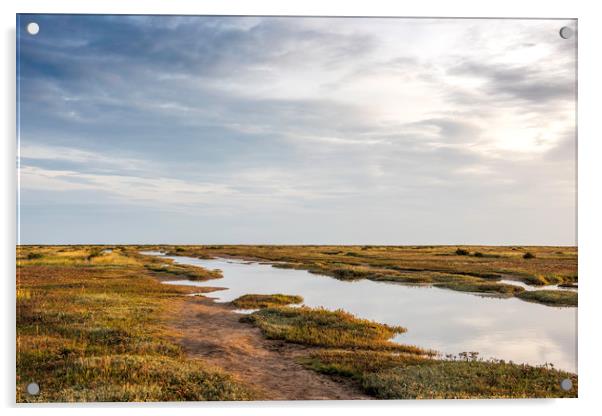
[440,319]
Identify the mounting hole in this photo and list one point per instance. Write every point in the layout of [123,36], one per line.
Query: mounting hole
[33,389]
[566,32]
[566,384]
[33,28]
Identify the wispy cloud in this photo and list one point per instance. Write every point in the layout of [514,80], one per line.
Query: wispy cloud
[73,155]
[133,189]
[334,121]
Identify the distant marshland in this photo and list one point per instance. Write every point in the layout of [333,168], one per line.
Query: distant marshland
[94,323]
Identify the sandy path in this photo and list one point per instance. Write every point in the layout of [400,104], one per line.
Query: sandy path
[212,332]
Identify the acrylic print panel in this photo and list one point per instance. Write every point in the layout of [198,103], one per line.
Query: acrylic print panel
[295,208]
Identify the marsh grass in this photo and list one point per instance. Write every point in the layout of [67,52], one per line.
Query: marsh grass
[73,256]
[94,331]
[360,352]
[91,323]
[319,327]
[438,265]
[253,301]
[551,297]
[195,273]
[480,287]
[568,285]
[442,379]
[405,376]
[355,363]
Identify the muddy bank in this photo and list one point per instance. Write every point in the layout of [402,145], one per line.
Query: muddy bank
[212,331]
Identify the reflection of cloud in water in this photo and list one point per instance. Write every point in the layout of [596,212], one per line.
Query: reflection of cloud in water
[480,322]
[444,320]
[524,348]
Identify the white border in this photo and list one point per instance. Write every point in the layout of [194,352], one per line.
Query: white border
[590,207]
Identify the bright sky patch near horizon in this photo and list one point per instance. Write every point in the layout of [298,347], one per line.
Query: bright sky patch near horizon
[192,130]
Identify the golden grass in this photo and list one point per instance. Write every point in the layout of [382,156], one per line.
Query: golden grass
[253,301]
[387,375]
[361,352]
[551,297]
[93,329]
[320,327]
[91,323]
[475,379]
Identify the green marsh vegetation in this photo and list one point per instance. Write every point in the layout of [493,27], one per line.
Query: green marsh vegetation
[360,352]
[323,328]
[91,323]
[388,376]
[265,301]
[500,289]
[92,328]
[185,272]
[466,268]
[551,297]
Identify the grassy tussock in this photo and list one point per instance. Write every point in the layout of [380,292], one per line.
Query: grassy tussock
[323,328]
[253,301]
[90,331]
[551,297]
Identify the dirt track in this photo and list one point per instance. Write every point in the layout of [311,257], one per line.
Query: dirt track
[212,331]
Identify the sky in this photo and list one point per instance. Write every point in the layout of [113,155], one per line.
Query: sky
[267,130]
